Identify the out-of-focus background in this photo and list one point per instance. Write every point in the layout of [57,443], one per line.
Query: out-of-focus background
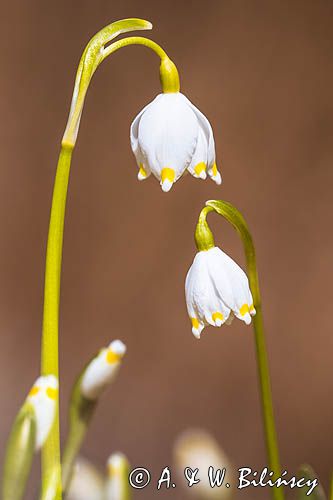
[262,72]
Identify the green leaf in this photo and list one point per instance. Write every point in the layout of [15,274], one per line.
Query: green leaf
[318,493]
[19,454]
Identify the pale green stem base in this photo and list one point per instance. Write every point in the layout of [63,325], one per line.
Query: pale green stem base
[80,414]
[232,215]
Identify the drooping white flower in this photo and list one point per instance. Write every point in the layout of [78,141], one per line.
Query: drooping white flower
[169,136]
[43,397]
[197,449]
[102,369]
[117,483]
[216,290]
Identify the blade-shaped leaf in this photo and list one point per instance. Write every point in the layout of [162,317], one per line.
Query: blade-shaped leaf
[318,493]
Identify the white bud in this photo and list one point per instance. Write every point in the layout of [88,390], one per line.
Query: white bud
[102,370]
[197,449]
[43,398]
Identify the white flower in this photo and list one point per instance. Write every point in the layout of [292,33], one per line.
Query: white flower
[216,289]
[43,397]
[87,482]
[171,135]
[102,369]
[197,449]
[117,484]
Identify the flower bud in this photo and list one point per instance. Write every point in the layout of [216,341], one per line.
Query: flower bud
[43,398]
[102,370]
[19,454]
[197,449]
[117,485]
[86,483]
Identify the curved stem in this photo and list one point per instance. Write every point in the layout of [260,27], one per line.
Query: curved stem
[232,215]
[92,56]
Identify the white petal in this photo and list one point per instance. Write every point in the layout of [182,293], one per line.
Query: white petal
[198,165]
[167,134]
[87,482]
[231,284]
[206,128]
[43,397]
[166,185]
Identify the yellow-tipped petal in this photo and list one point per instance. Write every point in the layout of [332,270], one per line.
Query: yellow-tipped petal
[168,174]
[112,357]
[200,170]
[214,170]
[34,391]
[218,318]
[52,393]
[195,323]
[244,309]
[142,173]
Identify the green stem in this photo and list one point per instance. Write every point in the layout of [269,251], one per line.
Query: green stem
[94,53]
[232,215]
[80,414]
[51,470]
[331,488]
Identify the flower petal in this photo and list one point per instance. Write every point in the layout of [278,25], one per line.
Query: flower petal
[198,165]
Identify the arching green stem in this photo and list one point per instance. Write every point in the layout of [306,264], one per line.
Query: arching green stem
[93,55]
[203,238]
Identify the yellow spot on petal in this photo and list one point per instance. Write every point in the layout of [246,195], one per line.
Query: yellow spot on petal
[195,323]
[214,170]
[113,469]
[244,309]
[168,174]
[217,315]
[52,393]
[112,357]
[201,167]
[142,171]
[251,308]
[34,391]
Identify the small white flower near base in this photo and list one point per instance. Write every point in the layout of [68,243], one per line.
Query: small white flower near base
[197,449]
[102,369]
[217,289]
[43,397]
[169,136]
[117,483]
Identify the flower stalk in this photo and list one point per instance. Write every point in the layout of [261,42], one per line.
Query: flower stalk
[232,215]
[93,55]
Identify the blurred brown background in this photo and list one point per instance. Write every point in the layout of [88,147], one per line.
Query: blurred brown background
[262,72]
